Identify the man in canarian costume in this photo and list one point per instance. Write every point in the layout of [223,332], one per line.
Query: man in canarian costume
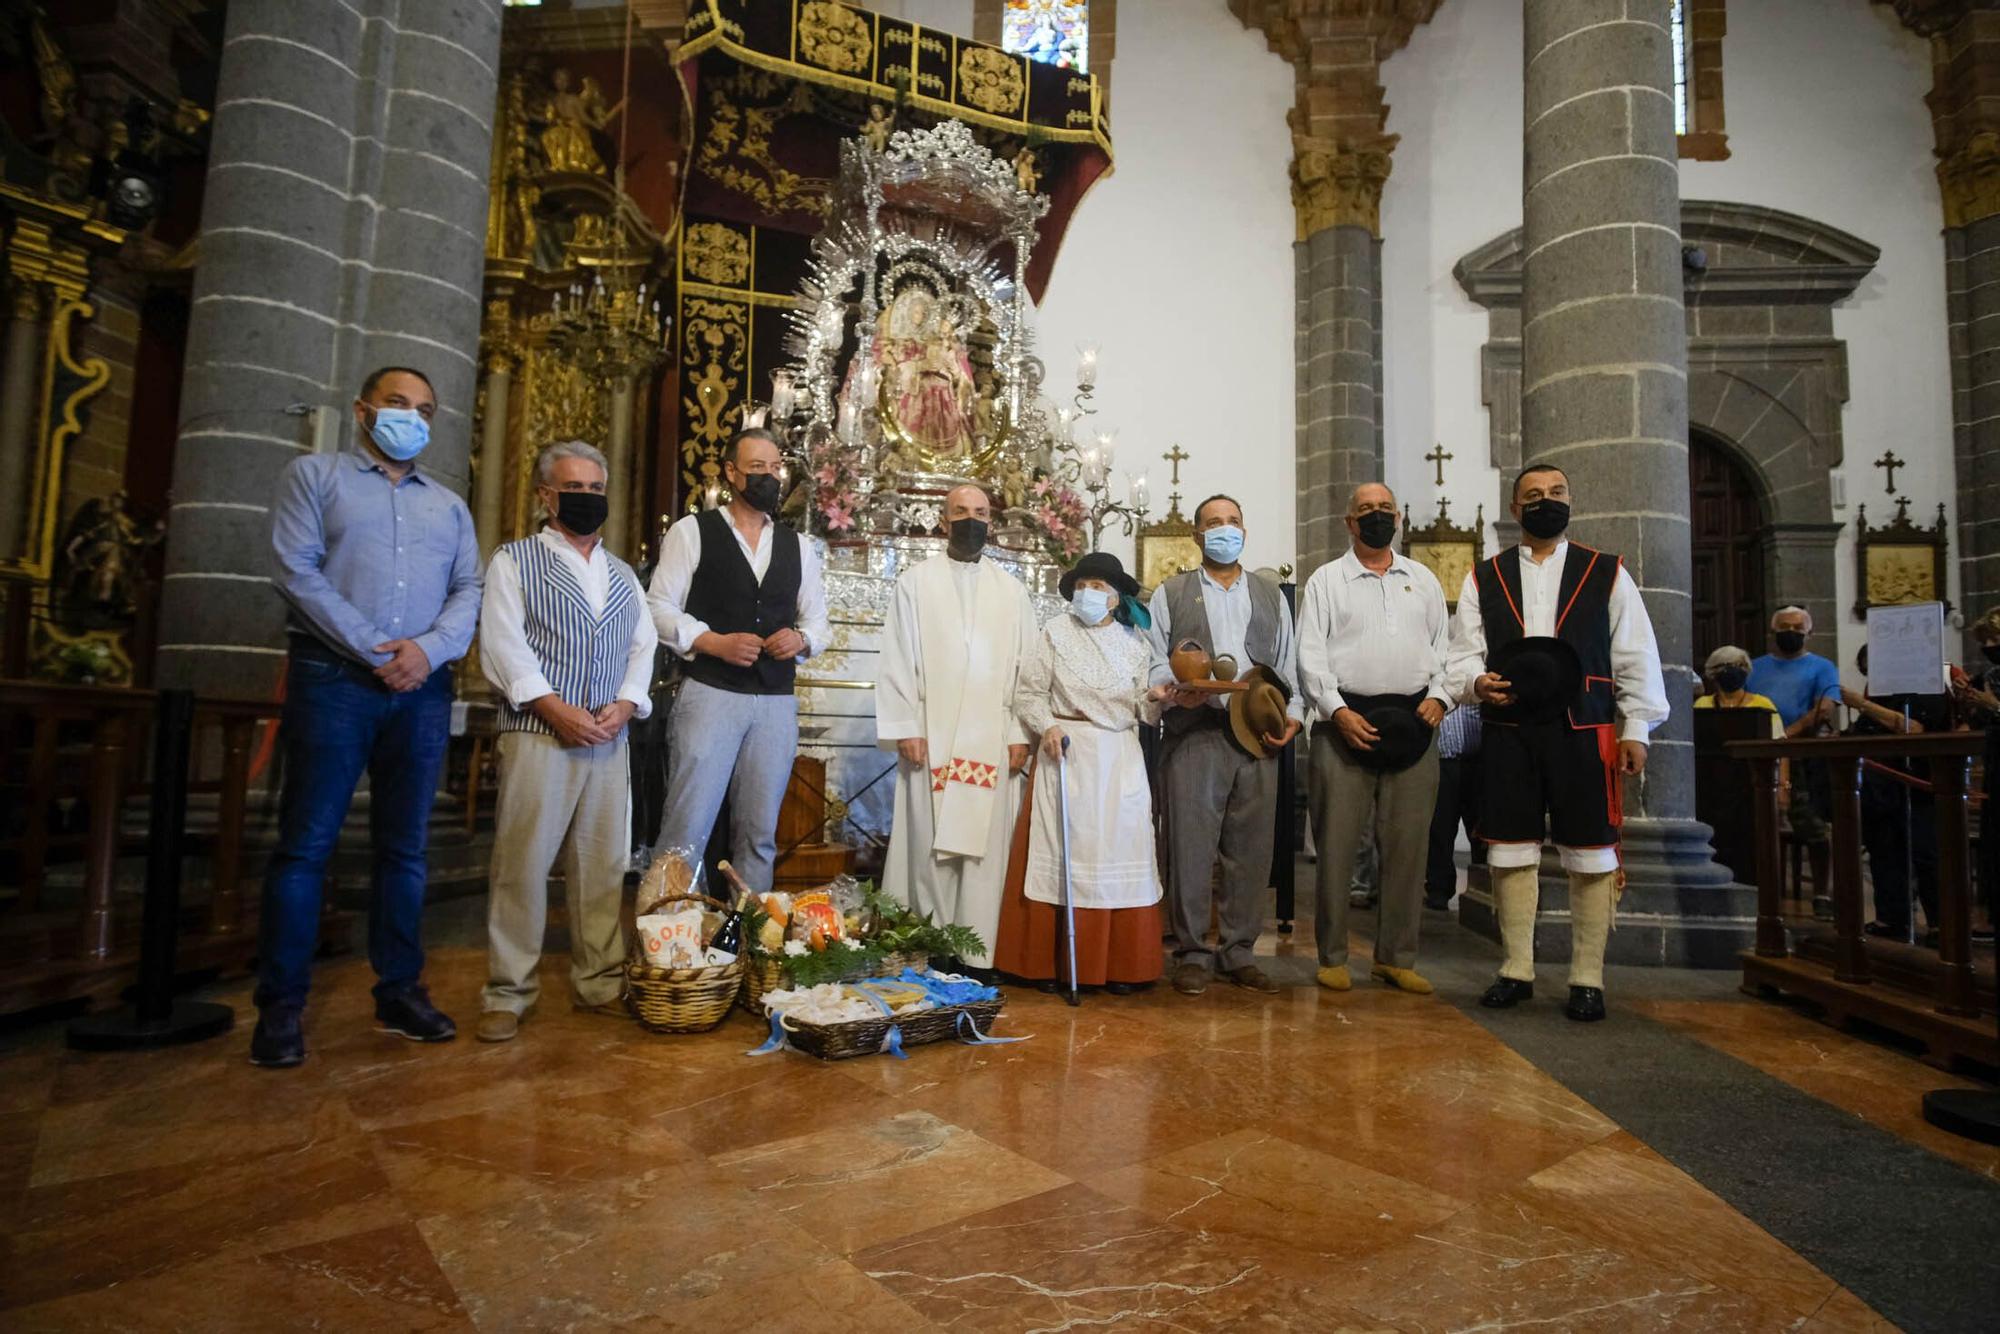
[958,631]
[1554,644]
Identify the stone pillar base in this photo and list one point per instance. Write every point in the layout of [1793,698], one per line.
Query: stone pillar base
[1680,909]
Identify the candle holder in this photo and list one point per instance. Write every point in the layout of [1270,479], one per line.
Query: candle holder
[1087,469]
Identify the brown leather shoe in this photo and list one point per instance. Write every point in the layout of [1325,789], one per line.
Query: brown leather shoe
[1190,979]
[497,1026]
[616,1005]
[1252,978]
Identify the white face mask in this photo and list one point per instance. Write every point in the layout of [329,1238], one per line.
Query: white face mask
[1090,605]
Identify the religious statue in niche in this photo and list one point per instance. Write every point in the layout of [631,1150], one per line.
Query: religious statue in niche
[97,571]
[927,391]
[572,116]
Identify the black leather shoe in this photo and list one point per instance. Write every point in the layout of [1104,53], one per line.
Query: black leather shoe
[280,1041]
[411,1015]
[1126,988]
[1506,993]
[1586,1004]
[1048,986]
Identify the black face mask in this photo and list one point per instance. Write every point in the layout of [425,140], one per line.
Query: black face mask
[967,538]
[1545,518]
[1789,641]
[1376,529]
[1729,680]
[582,512]
[762,490]
[1992,652]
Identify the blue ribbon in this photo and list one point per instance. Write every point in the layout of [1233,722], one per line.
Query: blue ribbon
[892,1042]
[776,1042]
[968,1033]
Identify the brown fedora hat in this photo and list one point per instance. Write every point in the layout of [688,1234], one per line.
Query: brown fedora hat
[1258,711]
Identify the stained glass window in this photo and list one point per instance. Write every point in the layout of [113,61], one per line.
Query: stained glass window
[1679,21]
[1056,32]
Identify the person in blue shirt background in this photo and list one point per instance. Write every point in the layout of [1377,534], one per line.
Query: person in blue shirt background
[1804,687]
[379,567]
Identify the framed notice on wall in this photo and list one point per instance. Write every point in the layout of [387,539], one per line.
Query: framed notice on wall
[1906,650]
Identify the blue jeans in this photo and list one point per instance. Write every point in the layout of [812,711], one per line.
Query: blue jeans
[339,721]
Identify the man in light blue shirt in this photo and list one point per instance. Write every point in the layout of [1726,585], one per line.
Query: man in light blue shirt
[1804,687]
[380,570]
[1221,800]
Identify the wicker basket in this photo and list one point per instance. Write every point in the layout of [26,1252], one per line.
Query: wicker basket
[682,1000]
[770,974]
[864,1037]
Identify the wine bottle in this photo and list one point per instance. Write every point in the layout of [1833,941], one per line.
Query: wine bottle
[729,936]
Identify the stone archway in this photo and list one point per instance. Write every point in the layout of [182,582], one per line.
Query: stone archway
[1765,372]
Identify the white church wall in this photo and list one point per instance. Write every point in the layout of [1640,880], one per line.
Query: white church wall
[952,16]
[1826,118]
[1180,265]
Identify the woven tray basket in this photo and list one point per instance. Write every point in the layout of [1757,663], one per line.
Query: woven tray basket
[863,1037]
[682,1000]
[762,975]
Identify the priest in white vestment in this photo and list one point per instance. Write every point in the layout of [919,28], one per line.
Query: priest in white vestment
[958,631]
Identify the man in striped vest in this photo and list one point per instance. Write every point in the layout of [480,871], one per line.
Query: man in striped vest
[566,641]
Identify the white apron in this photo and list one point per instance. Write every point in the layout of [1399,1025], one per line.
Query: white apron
[1110,823]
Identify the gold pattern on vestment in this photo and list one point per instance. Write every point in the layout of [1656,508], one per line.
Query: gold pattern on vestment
[991,80]
[835,37]
[715,253]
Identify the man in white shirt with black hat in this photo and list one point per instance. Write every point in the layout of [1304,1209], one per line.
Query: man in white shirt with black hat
[1372,637]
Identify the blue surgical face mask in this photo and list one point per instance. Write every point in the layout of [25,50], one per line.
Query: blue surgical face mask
[401,433]
[1223,545]
[1090,605]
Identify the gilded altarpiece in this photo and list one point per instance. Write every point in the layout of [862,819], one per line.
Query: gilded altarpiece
[774,89]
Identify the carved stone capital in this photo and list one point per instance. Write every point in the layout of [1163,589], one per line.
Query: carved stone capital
[1338,184]
[1969,179]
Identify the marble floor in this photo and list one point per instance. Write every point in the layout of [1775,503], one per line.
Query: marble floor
[1368,1161]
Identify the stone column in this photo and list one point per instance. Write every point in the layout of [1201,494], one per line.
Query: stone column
[624,478]
[18,399]
[1337,190]
[490,477]
[1965,116]
[1604,391]
[342,229]
[1341,158]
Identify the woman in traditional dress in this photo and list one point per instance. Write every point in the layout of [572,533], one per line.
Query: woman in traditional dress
[1087,685]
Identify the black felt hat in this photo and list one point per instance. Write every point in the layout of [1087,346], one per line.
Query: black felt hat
[1401,739]
[1545,676]
[1099,565]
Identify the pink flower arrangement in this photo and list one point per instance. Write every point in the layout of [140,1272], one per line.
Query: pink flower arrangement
[1059,515]
[836,471]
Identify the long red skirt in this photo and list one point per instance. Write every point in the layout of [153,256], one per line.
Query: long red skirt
[1112,944]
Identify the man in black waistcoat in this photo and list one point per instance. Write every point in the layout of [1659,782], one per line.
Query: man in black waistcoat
[743,599]
[1554,643]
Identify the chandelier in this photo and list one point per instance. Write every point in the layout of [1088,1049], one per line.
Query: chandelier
[609,330]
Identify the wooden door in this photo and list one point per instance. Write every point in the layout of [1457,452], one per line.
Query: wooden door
[1728,551]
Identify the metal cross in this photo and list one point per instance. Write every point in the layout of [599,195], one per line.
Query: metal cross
[1888,463]
[1439,457]
[1177,456]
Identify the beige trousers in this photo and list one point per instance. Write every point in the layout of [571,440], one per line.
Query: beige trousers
[1350,802]
[568,801]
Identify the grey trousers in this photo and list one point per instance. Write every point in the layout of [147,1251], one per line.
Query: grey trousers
[572,801]
[740,746]
[1219,802]
[1348,803]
